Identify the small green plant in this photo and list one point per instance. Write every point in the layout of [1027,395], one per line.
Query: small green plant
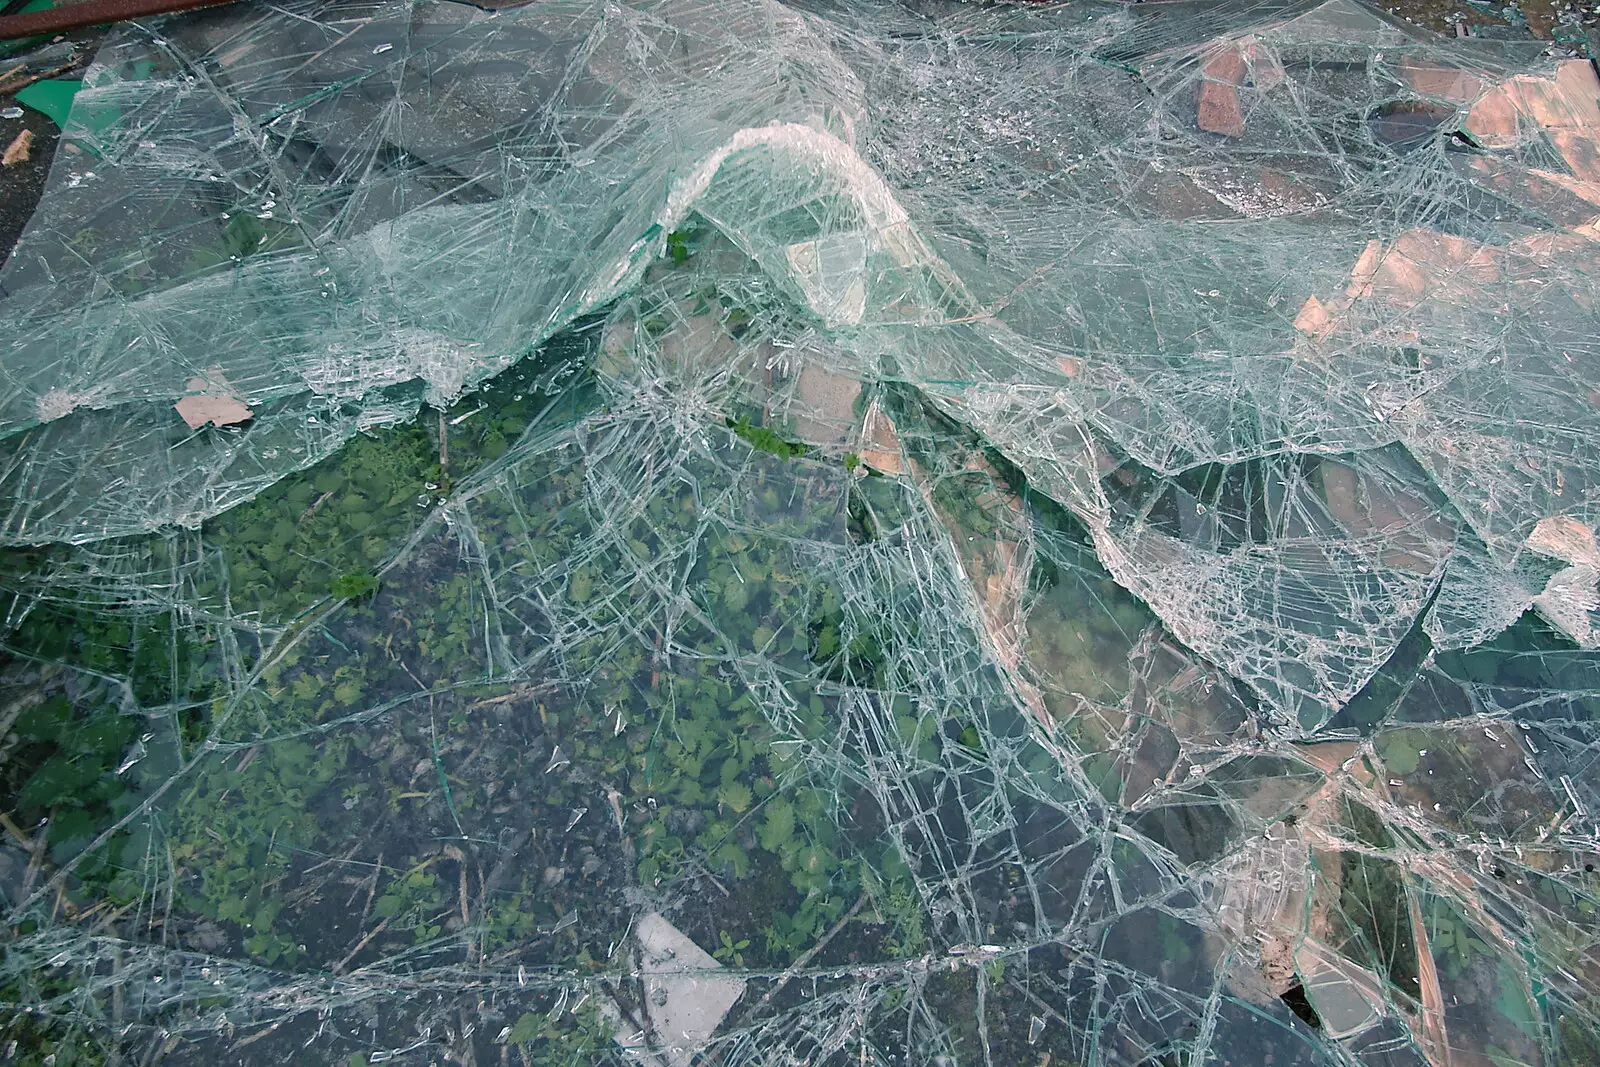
[735,795]
[528,1027]
[73,753]
[355,586]
[851,462]
[903,910]
[1399,752]
[778,825]
[244,234]
[411,901]
[731,949]
[273,948]
[560,1038]
[678,246]
[763,439]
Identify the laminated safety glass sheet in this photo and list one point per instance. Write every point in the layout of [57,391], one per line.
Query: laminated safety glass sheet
[847,533]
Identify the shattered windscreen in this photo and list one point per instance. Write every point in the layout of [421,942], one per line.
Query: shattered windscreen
[729,533]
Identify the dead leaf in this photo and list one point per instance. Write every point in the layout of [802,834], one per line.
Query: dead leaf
[19,149]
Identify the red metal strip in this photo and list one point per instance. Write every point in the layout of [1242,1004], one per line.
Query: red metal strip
[92,13]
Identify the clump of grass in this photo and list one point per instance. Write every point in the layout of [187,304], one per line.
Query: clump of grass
[764,440]
[354,586]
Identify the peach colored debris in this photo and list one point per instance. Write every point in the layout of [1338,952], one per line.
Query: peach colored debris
[1584,190]
[1419,264]
[1424,264]
[1542,190]
[1565,106]
[1569,597]
[1451,84]
[1569,600]
[880,442]
[220,410]
[1317,318]
[19,149]
[1419,259]
[1566,539]
[211,399]
[1493,120]
[1366,265]
[1368,507]
[1314,318]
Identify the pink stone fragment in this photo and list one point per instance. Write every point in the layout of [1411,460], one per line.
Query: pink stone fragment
[211,399]
[219,410]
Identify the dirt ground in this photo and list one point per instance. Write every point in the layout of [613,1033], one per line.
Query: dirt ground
[22,180]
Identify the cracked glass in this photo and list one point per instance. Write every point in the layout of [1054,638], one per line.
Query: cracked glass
[836,533]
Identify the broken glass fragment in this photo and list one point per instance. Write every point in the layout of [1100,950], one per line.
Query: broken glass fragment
[749,534]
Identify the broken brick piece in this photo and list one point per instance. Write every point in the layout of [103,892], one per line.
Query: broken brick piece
[1218,107]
